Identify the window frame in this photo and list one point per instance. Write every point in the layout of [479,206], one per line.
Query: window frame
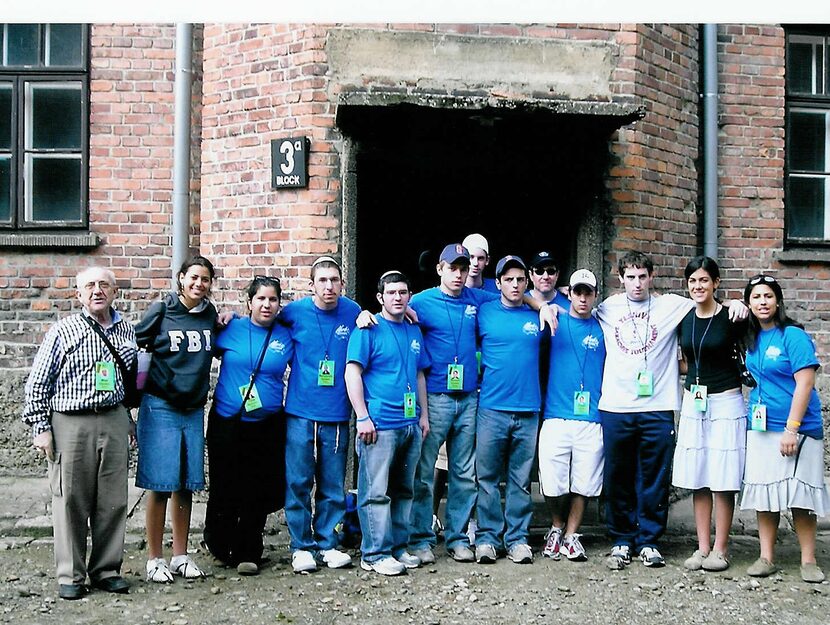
[19,77]
[796,102]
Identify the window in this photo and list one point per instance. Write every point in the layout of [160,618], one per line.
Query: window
[44,120]
[808,137]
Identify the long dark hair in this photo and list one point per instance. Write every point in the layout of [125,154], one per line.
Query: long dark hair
[192,261]
[709,265]
[781,318]
[260,281]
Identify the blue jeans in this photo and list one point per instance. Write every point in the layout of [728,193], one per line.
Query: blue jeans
[385,476]
[452,418]
[315,452]
[638,455]
[504,438]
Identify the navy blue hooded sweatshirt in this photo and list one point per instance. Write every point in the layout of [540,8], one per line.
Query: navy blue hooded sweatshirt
[182,344]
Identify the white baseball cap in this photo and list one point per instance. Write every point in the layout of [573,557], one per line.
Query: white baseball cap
[583,276]
[476,241]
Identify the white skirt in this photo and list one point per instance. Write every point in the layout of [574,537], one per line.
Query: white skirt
[773,482]
[711,445]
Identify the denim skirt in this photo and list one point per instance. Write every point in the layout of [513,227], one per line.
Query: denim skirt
[171,447]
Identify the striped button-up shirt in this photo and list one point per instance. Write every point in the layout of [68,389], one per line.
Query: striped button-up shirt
[63,374]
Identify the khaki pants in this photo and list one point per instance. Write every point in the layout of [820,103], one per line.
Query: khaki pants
[88,479]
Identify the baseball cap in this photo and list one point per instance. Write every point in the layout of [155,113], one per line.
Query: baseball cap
[476,241]
[508,262]
[583,276]
[543,258]
[454,252]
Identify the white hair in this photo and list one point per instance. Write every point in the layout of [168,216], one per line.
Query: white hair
[82,277]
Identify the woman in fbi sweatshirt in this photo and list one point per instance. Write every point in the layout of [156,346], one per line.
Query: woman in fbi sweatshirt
[179,330]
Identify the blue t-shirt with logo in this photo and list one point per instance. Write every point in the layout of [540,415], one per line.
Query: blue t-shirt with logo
[510,339]
[776,356]
[449,327]
[240,345]
[315,333]
[391,355]
[577,356]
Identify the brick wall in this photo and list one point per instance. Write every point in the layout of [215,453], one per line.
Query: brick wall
[130,184]
[652,181]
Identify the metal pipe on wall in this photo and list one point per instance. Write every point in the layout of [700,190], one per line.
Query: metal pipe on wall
[181,146]
[710,139]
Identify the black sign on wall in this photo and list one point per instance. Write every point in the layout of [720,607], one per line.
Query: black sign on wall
[289,163]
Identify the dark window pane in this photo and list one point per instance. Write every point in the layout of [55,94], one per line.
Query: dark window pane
[805,208]
[5,116]
[806,142]
[56,116]
[24,43]
[64,45]
[55,189]
[5,189]
[820,87]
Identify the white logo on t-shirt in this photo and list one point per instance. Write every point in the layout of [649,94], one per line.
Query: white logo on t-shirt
[590,343]
[773,352]
[277,346]
[342,332]
[415,346]
[530,328]
[470,311]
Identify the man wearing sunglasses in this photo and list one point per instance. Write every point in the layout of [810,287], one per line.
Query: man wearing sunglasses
[544,272]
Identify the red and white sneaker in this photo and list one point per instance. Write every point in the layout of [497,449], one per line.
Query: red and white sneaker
[573,549]
[553,543]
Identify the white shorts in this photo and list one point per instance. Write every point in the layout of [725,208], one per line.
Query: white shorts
[571,458]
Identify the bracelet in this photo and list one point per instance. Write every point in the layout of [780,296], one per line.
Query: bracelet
[789,431]
[793,424]
[362,419]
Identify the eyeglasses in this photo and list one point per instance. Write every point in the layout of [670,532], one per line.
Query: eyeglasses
[540,271]
[761,278]
[89,287]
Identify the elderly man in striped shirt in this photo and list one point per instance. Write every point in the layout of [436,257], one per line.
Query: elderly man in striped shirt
[73,404]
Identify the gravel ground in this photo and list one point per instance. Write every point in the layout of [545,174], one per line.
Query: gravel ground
[446,593]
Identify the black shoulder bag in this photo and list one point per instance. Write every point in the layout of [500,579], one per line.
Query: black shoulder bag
[132,397]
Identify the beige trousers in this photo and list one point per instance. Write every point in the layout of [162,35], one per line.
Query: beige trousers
[88,479]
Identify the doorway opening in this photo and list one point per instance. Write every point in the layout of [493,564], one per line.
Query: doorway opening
[417,178]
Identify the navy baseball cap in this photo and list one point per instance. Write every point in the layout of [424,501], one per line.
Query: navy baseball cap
[543,258]
[453,253]
[509,262]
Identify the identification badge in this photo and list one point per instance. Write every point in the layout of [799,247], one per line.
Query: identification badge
[253,402]
[104,376]
[582,403]
[645,384]
[699,396]
[409,405]
[759,417]
[325,373]
[455,377]
[478,362]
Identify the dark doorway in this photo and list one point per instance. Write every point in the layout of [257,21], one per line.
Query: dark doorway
[426,177]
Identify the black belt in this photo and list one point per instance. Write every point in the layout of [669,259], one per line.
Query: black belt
[95,410]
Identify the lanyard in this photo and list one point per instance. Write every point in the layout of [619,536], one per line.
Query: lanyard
[576,353]
[643,340]
[761,361]
[404,358]
[456,338]
[325,342]
[697,352]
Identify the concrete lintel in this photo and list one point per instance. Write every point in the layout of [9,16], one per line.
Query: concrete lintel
[626,112]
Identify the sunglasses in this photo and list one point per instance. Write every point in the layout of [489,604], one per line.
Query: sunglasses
[540,271]
[759,279]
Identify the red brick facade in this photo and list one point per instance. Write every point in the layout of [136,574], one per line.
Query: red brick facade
[254,83]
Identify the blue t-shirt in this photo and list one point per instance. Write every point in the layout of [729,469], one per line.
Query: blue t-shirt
[776,356]
[449,327]
[315,333]
[510,339]
[489,285]
[577,356]
[240,345]
[391,355]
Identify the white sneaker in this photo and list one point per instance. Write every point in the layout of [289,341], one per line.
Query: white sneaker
[520,554]
[335,559]
[303,561]
[425,555]
[185,566]
[408,560]
[472,528]
[553,543]
[158,571]
[651,557]
[385,566]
